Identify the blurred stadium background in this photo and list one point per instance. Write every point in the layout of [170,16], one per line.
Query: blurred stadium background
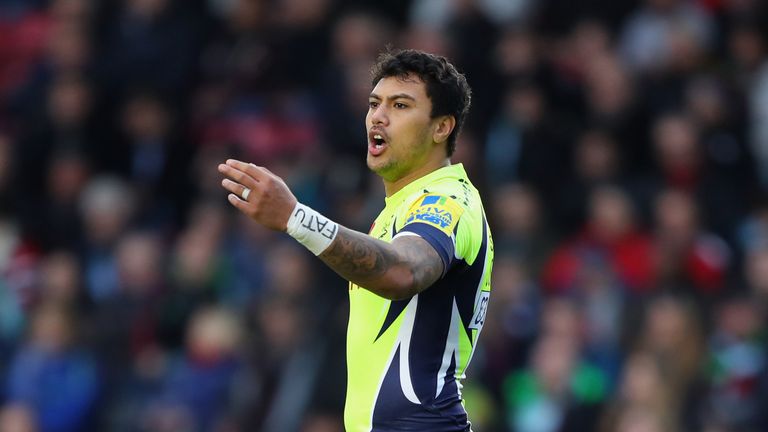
[621,147]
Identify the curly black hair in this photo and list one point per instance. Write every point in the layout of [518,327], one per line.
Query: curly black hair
[447,88]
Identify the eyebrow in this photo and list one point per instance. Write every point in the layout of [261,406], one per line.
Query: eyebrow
[394,96]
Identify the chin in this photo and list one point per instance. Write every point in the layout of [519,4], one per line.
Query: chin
[375,164]
[379,166]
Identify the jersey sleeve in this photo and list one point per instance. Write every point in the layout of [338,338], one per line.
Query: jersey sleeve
[435,218]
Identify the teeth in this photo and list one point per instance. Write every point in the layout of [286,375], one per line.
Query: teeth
[377,136]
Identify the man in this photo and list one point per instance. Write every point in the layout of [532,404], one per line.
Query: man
[420,280]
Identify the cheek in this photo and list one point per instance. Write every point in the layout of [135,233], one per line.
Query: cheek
[414,130]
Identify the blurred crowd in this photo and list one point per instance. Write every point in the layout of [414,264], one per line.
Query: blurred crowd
[621,148]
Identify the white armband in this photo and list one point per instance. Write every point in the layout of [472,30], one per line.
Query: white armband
[310,228]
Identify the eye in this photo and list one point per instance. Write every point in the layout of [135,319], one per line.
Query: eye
[400,105]
[373,104]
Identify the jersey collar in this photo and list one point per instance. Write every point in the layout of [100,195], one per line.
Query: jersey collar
[453,171]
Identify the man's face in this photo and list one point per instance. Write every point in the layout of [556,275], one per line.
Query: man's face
[399,127]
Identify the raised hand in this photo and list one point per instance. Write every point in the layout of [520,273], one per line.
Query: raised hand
[258,193]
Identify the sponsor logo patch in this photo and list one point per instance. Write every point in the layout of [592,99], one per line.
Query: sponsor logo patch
[436,210]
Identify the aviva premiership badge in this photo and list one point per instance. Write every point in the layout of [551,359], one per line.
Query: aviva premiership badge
[439,211]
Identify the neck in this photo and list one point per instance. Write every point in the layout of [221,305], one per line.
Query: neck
[392,187]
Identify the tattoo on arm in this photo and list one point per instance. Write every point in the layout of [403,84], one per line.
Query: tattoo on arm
[426,264]
[358,255]
[397,270]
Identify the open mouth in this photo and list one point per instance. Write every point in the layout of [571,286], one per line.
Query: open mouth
[377,143]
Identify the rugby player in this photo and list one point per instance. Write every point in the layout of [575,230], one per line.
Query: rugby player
[419,281]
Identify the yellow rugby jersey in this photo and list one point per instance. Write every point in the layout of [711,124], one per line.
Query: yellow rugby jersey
[406,358]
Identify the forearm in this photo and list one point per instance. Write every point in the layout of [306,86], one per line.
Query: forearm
[391,272]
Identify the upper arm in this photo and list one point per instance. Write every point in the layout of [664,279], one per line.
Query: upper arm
[424,261]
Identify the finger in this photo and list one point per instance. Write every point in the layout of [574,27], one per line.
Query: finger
[237,202]
[238,176]
[235,188]
[255,171]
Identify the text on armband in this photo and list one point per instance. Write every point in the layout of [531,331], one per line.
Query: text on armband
[317,224]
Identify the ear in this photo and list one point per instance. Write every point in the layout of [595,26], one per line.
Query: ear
[443,126]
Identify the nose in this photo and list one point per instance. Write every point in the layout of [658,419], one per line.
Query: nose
[378,116]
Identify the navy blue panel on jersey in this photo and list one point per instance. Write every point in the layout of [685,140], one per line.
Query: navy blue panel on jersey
[396,413]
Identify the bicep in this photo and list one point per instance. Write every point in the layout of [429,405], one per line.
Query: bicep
[424,261]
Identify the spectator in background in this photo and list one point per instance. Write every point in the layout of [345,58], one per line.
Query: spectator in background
[60,137]
[22,45]
[247,253]
[559,391]
[280,326]
[17,418]
[61,222]
[686,257]
[649,37]
[522,228]
[737,359]
[198,389]
[678,155]
[612,234]
[575,61]
[53,45]
[150,155]
[672,331]
[107,208]
[505,141]
[516,56]
[712,108]
[60,281]
[524,145]
[685,161]
[602,301]
[645,400]
[746,54]
[724,146]
[51,359]
[597,162]
[615,106]
[124,327]
[513,321]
